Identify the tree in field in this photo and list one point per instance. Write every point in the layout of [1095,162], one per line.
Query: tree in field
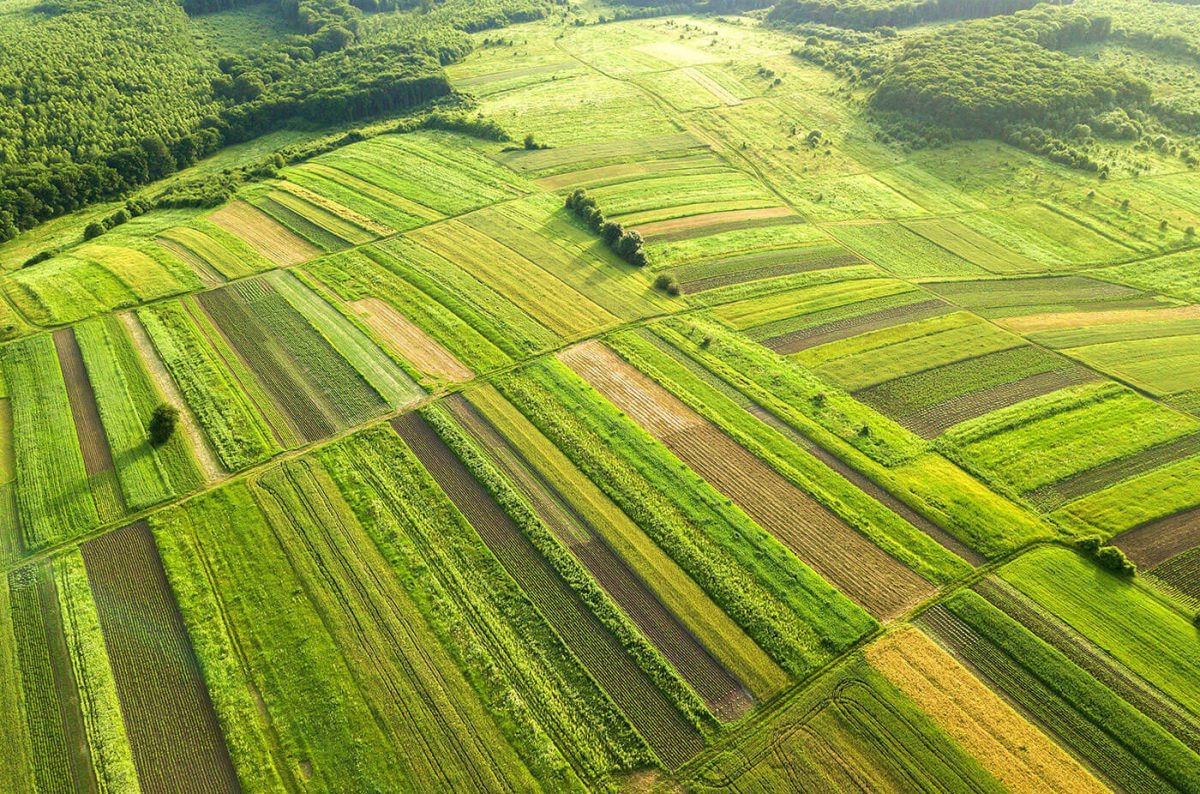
[162,423]
[93,229]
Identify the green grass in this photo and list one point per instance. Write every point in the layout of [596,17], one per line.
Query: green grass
[371,362]
[786,307]
[17,773]
[1126,619]
[733,243]
[883,527]
[787,609]
[902,252]
[227,254]
[229,418]
[53,497]
[992,297]
[641,200]
[1162,366]
[359,196]
[1174,275]
[126,397]
[1138,500]
[965,243]
[1047,439]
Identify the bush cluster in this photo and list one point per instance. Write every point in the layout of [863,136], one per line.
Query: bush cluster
[1108,557]
[625,243]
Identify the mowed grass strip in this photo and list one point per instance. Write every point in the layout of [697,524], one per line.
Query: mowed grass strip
[544,297]
[671,736]
[738,269]
[127,397]
[229,418]
[53,496]
[176,740]
[818,537]
[901,251]
[1003,741]
[220,249]
[376,209]
[264,234]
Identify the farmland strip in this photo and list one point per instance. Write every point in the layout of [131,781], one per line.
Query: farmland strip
[264,234]
[208,274]
[407,340]
[1152,544]
[93,443]
[822,260]
[853,326]
[642,703]
[723,693]
[173,731]
[859,568]
[715,223]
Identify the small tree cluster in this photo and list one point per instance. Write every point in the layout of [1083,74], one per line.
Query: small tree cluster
[668,284]
[162,423]
[1108,557]
[625,243]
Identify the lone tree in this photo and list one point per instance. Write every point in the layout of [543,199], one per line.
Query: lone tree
[162,423]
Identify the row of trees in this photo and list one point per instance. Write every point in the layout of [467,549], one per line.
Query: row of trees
[625,243]
[872,14]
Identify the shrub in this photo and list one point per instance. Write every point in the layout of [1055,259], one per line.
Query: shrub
[668,284]
[162,423]
[1113,559]
[93,230]
[40,256]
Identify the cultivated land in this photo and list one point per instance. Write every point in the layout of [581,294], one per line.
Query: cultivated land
[812,446]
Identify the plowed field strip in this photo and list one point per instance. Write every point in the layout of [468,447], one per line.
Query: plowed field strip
[722,692]
[1098,664]
[853,326]
[1158,541]
[871,488]
[853,564]
[173,731]
[1182,574]
[631,690]
[1100,477]
[936,420]
[97,456]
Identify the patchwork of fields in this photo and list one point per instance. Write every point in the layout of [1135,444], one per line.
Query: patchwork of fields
[820,498]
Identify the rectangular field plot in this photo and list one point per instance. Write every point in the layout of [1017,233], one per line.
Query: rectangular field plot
[901,251]
[376,209]
[271,239]
[851,730]
[539,293]
[728,271]
[1174,275]
[1137,500]
[173,730]
[311,384]
[582,160]
[1025,296]
[700,161]
[318,219]
[1046,441]
[95,278]
[968,244]
[1127,748]
[655,199]
[798,521]
[870,358]
[214,253]
[1161,366]
[1156,542]
[54,499]
[632,689]
[1038,232]
[932,401]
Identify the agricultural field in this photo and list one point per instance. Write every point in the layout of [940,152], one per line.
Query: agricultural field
[589,397]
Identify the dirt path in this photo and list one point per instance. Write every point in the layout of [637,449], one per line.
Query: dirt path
[196,439]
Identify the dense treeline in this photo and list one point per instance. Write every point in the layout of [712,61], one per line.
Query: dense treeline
[983,78]
[871,14]
[101,118]
[625,243]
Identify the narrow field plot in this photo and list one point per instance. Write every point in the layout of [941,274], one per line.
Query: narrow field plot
[459,318]
[1181,573]
[1162,366]
[1003,741]
[701,161]
[793,308]
[932,401]
[1126,619]
[1048,439]
[376,209]
[1038,232]
[584,109]
[1155,542]
[17,773]
[485,83]
[712,651]
[795,335]
[739,269]
[851,197]
[1174,275]
[966,243]
[922,187]
[563,162]
[1124,746]
[799,522]
[715,223]
[213,251]
[542,231]
[851,730]
[126,397]
[229,418]
[409,342]
[738,242]
[299,217]
[53,497]
[372,363]
[658,198]
[687,89]
[543,296]
[340,221]
[264,234]
[173,730]
[1017,296]
[95,278]
[1096,325]
[880,355]
[1141,499]
[902,252]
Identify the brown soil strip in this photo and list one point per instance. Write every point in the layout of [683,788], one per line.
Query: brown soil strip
[264,234]
[654,717]
[798,265]
[933,421]
[1181,576]
[851,562]
[715,223]
[409,341]
[1100,477]
[1158,541]
[1005,744]
[1055,321]
[853,326]
[173,730]
[202,451]
[1096,662]
[208,274]
[724,694]
[872,489]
